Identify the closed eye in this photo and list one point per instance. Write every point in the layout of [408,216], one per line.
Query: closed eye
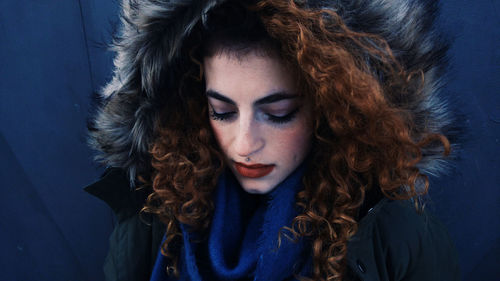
[283,119]
[222,116]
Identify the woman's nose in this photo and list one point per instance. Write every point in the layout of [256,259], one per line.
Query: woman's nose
[248,139]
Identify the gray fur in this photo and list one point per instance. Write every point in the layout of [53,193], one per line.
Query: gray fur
[151,36]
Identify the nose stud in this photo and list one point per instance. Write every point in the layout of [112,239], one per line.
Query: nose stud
[247,159]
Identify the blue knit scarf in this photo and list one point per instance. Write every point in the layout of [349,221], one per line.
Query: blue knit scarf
[242,242]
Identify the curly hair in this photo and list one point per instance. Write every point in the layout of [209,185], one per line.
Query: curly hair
[363,138]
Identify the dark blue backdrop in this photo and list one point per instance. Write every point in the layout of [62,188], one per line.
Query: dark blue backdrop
[53,56]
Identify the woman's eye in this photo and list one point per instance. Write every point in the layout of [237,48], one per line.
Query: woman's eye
[283,118]
[221,116]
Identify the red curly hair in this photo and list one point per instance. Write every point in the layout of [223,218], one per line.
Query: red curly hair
[362,139]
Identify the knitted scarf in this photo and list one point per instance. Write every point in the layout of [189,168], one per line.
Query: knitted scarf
[242,243]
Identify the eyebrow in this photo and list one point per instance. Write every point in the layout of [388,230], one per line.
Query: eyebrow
[274,97]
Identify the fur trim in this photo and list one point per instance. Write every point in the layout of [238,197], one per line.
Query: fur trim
[151,35]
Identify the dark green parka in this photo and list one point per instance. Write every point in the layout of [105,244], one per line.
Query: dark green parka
[393,242]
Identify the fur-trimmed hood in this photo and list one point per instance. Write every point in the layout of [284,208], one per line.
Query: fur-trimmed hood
[150,39]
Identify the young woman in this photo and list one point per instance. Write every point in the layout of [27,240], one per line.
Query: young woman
[275,140]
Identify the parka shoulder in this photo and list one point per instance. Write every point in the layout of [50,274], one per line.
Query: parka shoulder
[136,237]
[395,242]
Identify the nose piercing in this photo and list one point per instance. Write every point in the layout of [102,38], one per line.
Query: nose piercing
[247,159]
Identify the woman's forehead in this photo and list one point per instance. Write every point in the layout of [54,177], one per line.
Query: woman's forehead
[249,77]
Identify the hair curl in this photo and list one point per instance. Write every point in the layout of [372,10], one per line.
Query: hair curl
[363,138]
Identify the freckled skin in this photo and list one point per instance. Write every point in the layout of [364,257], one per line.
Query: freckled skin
[250,132]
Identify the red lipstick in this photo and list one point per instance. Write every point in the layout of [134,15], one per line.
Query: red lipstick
[253,171]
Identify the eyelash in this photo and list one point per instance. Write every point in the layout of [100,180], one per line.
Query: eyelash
[283,119]
[274,119]
[220,116]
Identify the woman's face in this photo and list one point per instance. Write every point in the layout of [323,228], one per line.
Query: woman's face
[261,123]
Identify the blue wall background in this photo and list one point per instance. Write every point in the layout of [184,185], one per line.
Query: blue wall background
[53,56]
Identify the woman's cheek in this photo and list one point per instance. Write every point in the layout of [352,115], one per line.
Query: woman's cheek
[221,135]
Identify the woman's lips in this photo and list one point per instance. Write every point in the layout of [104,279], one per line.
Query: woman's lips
[253,171]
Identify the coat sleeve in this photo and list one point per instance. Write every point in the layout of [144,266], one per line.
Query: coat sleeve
[135,239]
[395,243]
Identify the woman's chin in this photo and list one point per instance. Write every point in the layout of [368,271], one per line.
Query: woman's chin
[255,186]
